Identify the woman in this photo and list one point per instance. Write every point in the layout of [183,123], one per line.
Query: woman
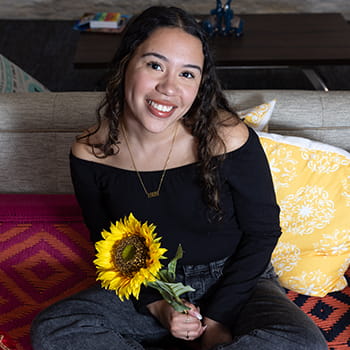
[168,148]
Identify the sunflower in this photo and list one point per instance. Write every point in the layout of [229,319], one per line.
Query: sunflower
[128,256]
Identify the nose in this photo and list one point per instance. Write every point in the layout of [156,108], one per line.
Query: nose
[168,85]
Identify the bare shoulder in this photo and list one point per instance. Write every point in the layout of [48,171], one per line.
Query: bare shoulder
[234,134]
[82,148]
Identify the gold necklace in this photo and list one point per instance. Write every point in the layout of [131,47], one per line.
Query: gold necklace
[153,193]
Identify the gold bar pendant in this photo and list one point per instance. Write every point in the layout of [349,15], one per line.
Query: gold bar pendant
[153,194]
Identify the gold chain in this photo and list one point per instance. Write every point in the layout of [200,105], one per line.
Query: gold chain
[154,193]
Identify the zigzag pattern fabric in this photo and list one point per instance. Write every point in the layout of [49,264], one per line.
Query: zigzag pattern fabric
[46,256]
[331,313]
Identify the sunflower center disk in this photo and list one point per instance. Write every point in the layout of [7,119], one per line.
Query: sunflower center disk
[131,255]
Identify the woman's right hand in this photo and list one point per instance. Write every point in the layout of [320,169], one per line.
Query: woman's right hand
[187,326]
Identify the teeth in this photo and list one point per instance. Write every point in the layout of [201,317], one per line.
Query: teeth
[160,108]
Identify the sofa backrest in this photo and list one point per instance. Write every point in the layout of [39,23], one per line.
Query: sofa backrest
[318,115]
[37,129]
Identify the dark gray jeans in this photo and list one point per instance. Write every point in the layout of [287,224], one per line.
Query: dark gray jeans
[96,319]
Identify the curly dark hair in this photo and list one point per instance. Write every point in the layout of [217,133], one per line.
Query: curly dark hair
[202,119]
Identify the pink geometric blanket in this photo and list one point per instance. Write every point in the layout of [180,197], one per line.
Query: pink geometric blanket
[45,255]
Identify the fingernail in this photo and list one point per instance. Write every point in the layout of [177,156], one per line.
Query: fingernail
[198,315]
[195,314]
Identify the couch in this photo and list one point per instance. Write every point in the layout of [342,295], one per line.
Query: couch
[44,243]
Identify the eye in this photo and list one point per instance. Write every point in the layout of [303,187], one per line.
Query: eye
[188,75]
[154,65]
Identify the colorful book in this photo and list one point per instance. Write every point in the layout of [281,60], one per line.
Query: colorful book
[84,24]
[105,20]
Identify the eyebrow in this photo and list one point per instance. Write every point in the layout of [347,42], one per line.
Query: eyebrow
[163,58]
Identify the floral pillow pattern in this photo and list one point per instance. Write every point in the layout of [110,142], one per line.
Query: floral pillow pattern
[312,182]
[258,117]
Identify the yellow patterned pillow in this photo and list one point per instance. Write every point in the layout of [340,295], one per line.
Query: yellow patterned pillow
[258,116]
[312,182]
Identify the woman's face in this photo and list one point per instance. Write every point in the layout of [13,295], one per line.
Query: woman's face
[162,78]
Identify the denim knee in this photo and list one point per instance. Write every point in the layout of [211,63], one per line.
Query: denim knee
[279,339]
[38,334]
[311,338]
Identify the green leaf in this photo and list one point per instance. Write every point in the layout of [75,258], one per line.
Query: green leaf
[171,293]
[168,288]
[163,275]
[173,262]
[178,306]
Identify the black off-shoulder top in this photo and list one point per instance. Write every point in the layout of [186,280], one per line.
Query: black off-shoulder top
[247,233]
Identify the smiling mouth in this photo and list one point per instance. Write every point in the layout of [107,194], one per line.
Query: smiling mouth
[160,107]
